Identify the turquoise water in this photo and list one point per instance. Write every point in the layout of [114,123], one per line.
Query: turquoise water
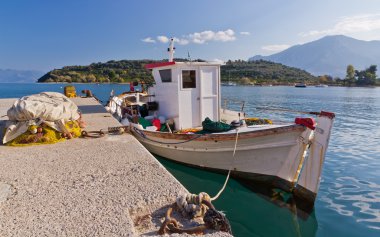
[101,91]
[348,202]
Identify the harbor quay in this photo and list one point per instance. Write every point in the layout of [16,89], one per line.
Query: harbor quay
[107,186]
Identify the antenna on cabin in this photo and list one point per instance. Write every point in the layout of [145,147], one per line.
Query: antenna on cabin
[171,50]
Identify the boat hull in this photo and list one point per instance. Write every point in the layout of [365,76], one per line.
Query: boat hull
[271,156]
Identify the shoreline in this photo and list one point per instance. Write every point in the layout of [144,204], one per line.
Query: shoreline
[127,83]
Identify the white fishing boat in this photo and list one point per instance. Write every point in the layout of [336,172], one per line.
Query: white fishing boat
[300,85]
[229,83]
[288,156]
[322,85]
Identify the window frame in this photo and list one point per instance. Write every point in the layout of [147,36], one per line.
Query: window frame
[195,79]
[171,75]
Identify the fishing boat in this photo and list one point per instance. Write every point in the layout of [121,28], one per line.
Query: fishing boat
[322,85]
[229,83]
[300,85]
[185,95]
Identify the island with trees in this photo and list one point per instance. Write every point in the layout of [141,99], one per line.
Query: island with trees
[259,72]
[264,72]
[109,72]
[239,71]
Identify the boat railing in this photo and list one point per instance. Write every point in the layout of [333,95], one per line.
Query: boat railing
[232,104]
[232,110]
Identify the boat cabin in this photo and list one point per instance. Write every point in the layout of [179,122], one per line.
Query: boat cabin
[186,92]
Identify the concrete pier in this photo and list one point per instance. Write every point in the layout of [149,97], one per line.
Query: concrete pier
[109,186]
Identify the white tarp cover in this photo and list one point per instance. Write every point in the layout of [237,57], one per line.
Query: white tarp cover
[52,108]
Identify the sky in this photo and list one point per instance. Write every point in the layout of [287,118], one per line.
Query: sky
[47,34]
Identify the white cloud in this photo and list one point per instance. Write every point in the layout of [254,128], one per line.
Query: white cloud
[245,33]
[208,35]
[148,40]
[217,60]
[275,47]
[349,25]
[181,41]
[163,39]
[201,37]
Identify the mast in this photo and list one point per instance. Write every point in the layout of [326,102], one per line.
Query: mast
[171,50]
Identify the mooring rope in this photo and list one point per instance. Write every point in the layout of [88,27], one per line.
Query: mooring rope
[97,134]
[199,206]
[141,134]
[229,171]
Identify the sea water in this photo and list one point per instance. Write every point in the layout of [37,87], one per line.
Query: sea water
[348,202]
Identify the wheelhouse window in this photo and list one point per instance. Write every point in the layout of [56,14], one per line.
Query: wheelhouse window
[166,75]
[188,79]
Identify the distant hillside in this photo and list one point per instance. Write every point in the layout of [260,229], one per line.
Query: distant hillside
[129,70]
[329,56]
[261,71]
[19,76]
[111,71]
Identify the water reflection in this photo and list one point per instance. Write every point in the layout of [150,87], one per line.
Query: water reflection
[250,213]
[359,199]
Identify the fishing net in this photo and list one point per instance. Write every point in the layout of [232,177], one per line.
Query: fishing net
[257,121]
[211,126]
[41,119]
[43,134]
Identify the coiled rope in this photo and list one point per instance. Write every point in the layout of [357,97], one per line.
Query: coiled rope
[212,219]
[194,205]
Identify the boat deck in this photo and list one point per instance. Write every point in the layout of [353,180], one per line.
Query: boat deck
[258,128]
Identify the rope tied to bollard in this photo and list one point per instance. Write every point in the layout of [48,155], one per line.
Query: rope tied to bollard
[212,218]
[199,206]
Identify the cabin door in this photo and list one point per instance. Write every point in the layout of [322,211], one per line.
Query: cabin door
[209,89]
[190,99]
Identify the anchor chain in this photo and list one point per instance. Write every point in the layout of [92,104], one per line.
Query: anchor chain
[101,133]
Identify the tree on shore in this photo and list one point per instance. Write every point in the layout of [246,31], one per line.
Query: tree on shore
[366,77]
[350,77]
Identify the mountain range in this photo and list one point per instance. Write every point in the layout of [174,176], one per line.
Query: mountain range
[329,55]
[19,76]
